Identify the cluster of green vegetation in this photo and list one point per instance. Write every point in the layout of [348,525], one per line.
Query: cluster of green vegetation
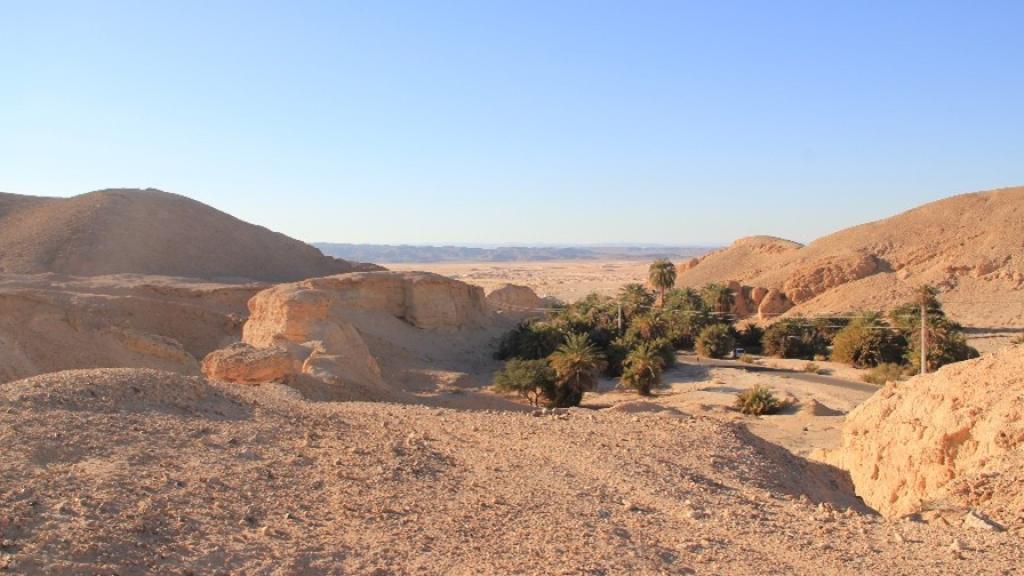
[873,339]
[633,336]
[757,401]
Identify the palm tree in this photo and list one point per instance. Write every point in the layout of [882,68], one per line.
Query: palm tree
[577,363]
[662,275]
[718,297]
[643,368]
[634,299]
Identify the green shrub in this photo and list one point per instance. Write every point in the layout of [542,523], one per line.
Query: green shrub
[643,368]
[617,351]
[946,344]
[531,379]
[529,340]
[750,337]
[577,363]
[795,338]
[868,342]
[946,340]
[716,341]
[757,401]
[883,373]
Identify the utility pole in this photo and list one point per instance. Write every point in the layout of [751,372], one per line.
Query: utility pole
[620,318]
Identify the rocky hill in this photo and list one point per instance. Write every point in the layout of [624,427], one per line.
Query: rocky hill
[148,232]
[971,246]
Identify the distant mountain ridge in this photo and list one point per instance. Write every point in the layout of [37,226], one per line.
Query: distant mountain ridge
[122,231]
[404,253]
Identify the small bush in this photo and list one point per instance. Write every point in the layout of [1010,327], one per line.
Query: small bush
[531,379]
[886,372]
[748,359]
[757,401]
[812,368]
[716,341]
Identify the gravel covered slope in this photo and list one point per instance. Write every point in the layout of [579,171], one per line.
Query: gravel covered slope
[137,471]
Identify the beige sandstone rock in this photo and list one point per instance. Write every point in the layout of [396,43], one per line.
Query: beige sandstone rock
[773,304]
[952,438]
[823,275]
[513,299]
[337,330]
[757,295]
[243,363]
[741,305]
[50,322]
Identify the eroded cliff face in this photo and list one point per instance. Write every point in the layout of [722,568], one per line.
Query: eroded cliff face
[954,438]
[50,322]
[359,334]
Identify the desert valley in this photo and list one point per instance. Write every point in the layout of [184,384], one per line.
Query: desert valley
[183,392]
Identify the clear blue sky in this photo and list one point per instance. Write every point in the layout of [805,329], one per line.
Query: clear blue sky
[525,122]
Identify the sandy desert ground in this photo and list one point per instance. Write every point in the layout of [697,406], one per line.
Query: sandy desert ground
[566,280]
[140,472]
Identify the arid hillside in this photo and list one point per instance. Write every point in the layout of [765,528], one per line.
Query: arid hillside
[149,232]
[971,246]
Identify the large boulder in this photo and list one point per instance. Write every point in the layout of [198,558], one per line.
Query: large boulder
[952,439]
[757,295]
[244,363]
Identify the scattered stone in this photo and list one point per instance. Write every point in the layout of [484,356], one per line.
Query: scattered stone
[979,522]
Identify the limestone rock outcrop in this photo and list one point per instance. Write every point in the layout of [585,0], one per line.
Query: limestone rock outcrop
[331,329]
[741,305]
[825,274]
[50,322]
[954,438]
[773,303]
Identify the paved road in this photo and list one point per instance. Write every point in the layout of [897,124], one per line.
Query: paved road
[691,360]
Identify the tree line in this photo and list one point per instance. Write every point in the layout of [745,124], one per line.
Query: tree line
[634,336]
